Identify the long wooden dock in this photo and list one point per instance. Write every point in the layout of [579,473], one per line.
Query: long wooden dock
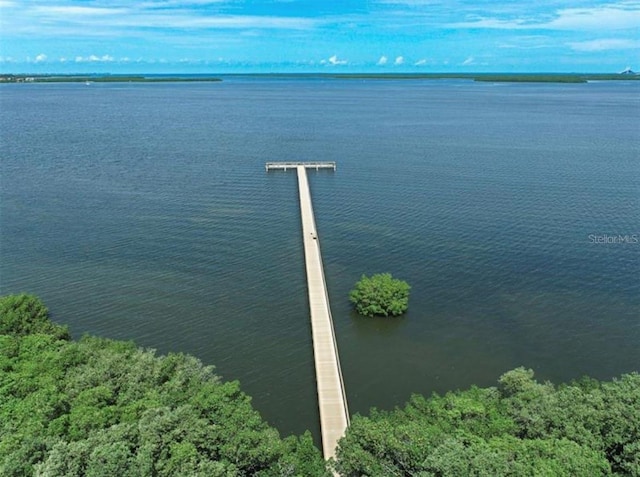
[332,399]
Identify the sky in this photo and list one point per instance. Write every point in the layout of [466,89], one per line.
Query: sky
[329,36]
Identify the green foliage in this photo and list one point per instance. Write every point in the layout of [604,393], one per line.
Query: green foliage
[380,294]
[520,428]
[102,408]
[99,408]
[26,314]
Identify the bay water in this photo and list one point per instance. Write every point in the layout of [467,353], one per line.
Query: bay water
[143,212]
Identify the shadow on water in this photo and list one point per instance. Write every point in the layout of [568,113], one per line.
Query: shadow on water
[376,326]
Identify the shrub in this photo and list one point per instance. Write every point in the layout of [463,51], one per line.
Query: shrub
[380,295]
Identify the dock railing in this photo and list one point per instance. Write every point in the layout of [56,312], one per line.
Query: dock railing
[270,166]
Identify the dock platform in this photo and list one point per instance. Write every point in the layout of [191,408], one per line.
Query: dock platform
[271,166]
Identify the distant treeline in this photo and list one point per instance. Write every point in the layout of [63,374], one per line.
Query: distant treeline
[490,77]
[98,407]
[486,77]
[499,78]
[103,79]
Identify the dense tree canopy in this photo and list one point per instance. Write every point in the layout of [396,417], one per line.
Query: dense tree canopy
[520,428]
[99,407]
[104,408]
[380,294]
[26,314]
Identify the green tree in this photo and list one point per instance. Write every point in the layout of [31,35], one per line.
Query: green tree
[98,408]
[381,295]
[520,428]
[25,314]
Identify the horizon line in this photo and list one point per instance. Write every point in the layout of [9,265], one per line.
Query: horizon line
[319,73]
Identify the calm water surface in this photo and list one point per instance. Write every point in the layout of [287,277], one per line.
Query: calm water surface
[143,211]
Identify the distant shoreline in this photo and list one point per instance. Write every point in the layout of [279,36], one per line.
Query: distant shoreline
[512,78]
[180,78]
[9,78]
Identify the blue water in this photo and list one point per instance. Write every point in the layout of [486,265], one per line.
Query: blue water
[143,211]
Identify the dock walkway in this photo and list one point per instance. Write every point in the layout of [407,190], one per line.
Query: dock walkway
[332,399]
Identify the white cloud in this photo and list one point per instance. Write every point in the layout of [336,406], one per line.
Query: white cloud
[178,3]
[620,16]
[150,15]
[94,59]
[67,11]
[335,61]
[613,17]
[226,21]
[605,44]
[469,61]
[206,28]
[528,42]
[40,58]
